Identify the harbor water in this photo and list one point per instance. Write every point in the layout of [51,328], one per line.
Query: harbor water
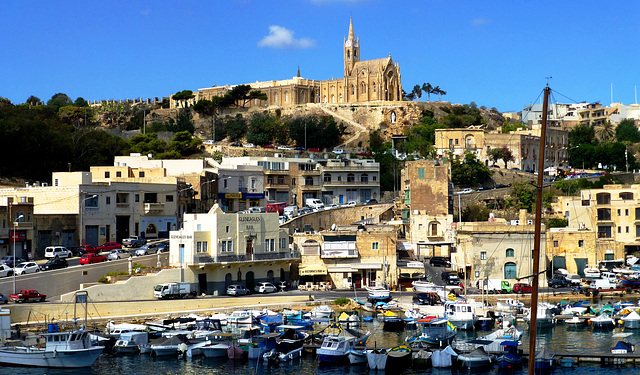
[558,339]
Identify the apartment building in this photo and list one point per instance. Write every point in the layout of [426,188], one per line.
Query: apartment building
[218,249]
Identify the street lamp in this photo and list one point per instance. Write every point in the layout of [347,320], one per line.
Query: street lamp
[81,210]
[13,236]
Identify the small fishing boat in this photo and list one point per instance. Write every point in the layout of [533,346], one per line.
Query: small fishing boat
[461,314]
[391,321]
[218,345]
[377,359]
[169,346]
[269,322]
[378,294]
[475,359]
[349,318]
[322,312]
[509,305]
[511,358]
[116,329]
[603,322]
[236,353]
[357,356]
[421,359]
[485,323]
[544,362]
[130,342]
[545,318]
[591,272]
[576,322]
[437,333]
[630,281]
[632,320]
[335,349]
[291,314]
[399,357]
[240,317]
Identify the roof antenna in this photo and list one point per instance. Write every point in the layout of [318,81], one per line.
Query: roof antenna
[548,78]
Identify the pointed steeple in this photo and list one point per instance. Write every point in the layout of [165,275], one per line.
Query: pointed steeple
[298,70]
[352,36]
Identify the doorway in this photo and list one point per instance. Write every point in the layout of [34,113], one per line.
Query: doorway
[249,249]
[356,279]
[202,283]
[250,281]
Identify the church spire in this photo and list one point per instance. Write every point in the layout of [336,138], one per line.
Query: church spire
[298,70]
[352,36]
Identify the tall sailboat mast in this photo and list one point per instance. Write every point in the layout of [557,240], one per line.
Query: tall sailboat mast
[536,240]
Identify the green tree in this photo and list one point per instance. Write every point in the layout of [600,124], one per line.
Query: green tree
[183,144]
[183,97]
[80,102]
[236,127]
[503,154]
[33,100]
[508,127]
[581,135]
[626,131]
[606,132]
[147,144]
[555,222]
[428,89]
[440,92]
[59,100]
[469,172]
[417,92]
[243,94]
[475,212]
[211,108]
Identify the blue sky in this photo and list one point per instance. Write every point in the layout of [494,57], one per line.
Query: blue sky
[494,53]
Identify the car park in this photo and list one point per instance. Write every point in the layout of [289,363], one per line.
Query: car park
[116,254]
[57,252]
[265,287]
[91,258]
[26,267]
[522,288]
[147,249]
[237,290]
[438,261]
[5,270]
[54,264]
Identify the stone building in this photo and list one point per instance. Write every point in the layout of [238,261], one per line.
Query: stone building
[363,81]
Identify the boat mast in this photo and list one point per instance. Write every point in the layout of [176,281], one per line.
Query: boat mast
[536,240]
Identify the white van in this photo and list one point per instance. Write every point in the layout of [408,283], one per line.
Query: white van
[574,279]
[602,284]
[314,203]
[56,252]
[609,276]
[256,210]
[290,211]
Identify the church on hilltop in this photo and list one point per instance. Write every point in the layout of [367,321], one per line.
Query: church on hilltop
[363,81]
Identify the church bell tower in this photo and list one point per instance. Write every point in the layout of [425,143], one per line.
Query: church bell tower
[351,51]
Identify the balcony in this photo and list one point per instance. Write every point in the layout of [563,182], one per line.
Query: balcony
[24,225]
[339,254]
[229,258]
[153,207]
[310,187]
[315,172]
[351,183]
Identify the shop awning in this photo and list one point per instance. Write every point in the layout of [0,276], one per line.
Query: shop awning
[367,266]
[334,269]
[312,270]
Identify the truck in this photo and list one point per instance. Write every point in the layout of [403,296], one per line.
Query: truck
[173,290]
[26,295]
[290,211]
[314,203]
[134,241]
[496,286]
[277,207]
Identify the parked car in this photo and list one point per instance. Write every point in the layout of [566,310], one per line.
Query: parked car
[450,278]
[150,248]
[54,264]
[331,206]
[108,246]
[116,254]
[89,249]
[299,148]
[338,151]
[269,146]
[237,290]
[284,148]
[163,247]
[439,262]
[314,149]
[558,281]
[265,287]
[209,142]
[76,251]
[5,270]
[11,262]
[56,252]
[26,267]
[350,204]
[3,299]
[249,145]
[521,288]
[371,201]
[91,258]
[465,191]
[236,144]
[574,279]
[134,241]
[426,299]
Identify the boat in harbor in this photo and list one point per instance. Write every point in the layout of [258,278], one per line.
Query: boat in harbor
[437,333]
[322,312]
[241,317]
[378,294]
[461,314]
[235,352]
[576,322]
[630,281]
[546,317]
[391,321]
[544,362]
[443,291]
[377,359]
[130,342]
[591,272]
[116,329]
[68,349]
[476,359]
[511,358]
[632,320]
[399,357]
[603,322]
[337,345]
[421,359]
[218,345]
[349,318]
[358,356]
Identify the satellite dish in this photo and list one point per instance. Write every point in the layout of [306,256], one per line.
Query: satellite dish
[333,227]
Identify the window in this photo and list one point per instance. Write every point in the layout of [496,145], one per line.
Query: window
[608,256]
[604,214]
[198,247]
[420,172]
[205,246]
[107,174]
[456,141]
[283,243]
[626,196]
[351,177]
[511,253]
[91,201]
[327,177]
[619,229]
[108,200]
[483,255]
[169,198]
[137,198]
[141,174]
[364,177]
[56,182]
[273,244]
[637,230]
[226,229]
[223,246]
[580,243]
[637,213]
[150,197]
[118,174]
[308,181]
[229,245]
[266,245]
[603,198]
[626,212]
[375,246]
[555,243]
[280,180]
[627,229]
[510,271]
[604,231]
[619,212]
[225,183]
[199,227]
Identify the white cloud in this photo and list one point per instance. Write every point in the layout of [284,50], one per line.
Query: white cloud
[280,37]
[480,21]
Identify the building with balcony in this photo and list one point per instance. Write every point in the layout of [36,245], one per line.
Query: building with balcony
[241,187]
[349,256]
[17,230]
[218,249]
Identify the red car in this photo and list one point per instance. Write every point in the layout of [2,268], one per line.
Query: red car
[89,249]
[314,149]
[522,288]
[269,146]
[108,246]
[91,258]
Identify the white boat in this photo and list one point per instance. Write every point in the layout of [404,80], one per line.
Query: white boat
[201,329]
[461,314]
[168,347]
[240,317]
[545,317]
[632,320]
[217,345]
[335,349]
[478,358]
[509,304]
[603,321]
[576,322]
[357,357]
[379,293]
[591,272]
[222,317]
[322,311]
[130,342]
[573,310]
[496,338]
[69,349]
[377,359]
[443,291]
[116,329]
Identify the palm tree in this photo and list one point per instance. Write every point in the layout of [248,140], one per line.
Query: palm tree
[428,89]
[606,132]
[438,91]
[417,92]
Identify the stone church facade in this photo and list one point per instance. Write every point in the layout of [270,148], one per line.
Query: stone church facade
[364,81]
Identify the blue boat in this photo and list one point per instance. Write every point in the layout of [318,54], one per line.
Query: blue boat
[545,362]
[511,358]
[270,322]
[435,333]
